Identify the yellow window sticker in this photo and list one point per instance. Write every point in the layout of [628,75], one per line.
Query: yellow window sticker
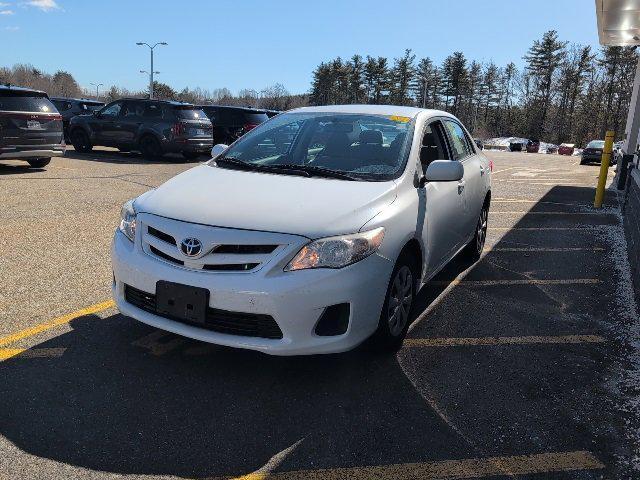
[398,118]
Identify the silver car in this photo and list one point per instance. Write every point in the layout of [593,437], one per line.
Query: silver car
[310,234]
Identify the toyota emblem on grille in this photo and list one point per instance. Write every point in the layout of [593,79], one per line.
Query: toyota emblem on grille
[191,247]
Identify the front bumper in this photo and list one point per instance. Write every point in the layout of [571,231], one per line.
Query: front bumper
[295,300]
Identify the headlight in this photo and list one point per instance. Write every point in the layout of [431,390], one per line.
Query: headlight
[128,220]
[337,252]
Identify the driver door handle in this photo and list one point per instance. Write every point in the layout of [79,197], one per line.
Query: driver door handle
[461,187]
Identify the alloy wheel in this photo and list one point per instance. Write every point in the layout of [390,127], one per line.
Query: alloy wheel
[481,232]
[400,299]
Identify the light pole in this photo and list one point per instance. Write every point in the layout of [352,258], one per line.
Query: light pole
[97,85]
[151,72]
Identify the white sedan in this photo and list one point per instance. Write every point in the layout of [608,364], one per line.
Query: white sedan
[310,234]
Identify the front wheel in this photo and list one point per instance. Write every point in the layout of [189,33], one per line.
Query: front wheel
[39,162]
[474,249]
[80,141]
[395,316]
[150,147]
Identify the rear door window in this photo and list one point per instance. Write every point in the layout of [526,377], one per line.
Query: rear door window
[459,146]
[133,109]
[22,103]
[152,110]
[255,118]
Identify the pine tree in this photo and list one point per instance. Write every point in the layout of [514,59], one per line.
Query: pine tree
[402,74]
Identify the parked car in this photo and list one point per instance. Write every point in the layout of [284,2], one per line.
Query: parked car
[230,123]
[70,107]
[592,152]
[310,234]
[30,127]
[566,149]
[533,146]
[479,143]
[272,113]
[154,127]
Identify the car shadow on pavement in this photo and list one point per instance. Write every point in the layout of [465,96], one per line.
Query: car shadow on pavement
[14,169]
[110,403]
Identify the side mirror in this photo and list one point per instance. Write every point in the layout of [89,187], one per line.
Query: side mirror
[218,150]
[444,171]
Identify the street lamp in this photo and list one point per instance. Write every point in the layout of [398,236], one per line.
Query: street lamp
[151,72]
[97,85]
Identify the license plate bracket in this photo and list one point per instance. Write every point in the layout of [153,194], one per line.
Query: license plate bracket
[182,302]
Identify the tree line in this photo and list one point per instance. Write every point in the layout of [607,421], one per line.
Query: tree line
[63,84]
[564,93]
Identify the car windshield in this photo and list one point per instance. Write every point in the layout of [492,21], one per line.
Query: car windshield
[596,144]
[367,147]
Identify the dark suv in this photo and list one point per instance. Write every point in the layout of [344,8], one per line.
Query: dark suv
[70,107]
[154,127]
[30,126]
[230,123]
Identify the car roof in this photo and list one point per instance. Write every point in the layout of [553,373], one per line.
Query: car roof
[13,88]
[156,100]
[233,107]
[402,111]
[76,99]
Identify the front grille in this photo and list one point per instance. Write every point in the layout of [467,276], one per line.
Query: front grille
[231,267]
[221,321]
[165,237]
[168,258]
[226,256]
[245,249]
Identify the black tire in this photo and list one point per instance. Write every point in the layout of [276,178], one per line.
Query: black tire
[191,155]
[150,147]
[474,248]
[395,316]
[80,141]
[38,162]
[582,161]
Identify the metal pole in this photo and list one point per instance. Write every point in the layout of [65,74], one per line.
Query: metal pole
[604,168]
[151,75]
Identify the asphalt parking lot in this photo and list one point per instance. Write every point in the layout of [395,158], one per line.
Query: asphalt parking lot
[514,367]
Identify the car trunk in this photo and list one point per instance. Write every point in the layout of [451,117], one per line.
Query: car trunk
[28,120]
[192,123]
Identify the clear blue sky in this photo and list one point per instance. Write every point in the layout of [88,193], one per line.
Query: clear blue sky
[251,43]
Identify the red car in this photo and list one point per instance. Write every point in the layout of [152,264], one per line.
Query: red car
[566,149]
[533,146]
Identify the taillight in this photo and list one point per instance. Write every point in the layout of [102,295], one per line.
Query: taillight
[249,126]
[178,129]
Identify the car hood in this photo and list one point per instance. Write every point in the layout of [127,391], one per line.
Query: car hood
[313,207]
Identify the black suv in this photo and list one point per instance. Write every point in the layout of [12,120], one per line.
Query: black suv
[230,123]
[70,107]
[154,127]
[30,126]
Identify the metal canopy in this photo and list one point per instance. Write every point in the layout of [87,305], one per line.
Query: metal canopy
[618,22]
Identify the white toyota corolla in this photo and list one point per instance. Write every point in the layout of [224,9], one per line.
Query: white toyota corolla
[310,234]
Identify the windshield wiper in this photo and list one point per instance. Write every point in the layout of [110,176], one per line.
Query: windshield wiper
[231,162]
[314,171]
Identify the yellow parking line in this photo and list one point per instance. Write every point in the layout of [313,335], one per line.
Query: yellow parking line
[547,202]
[461,342]
[6,353]
[519,281]
[31,331]
[468,468]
